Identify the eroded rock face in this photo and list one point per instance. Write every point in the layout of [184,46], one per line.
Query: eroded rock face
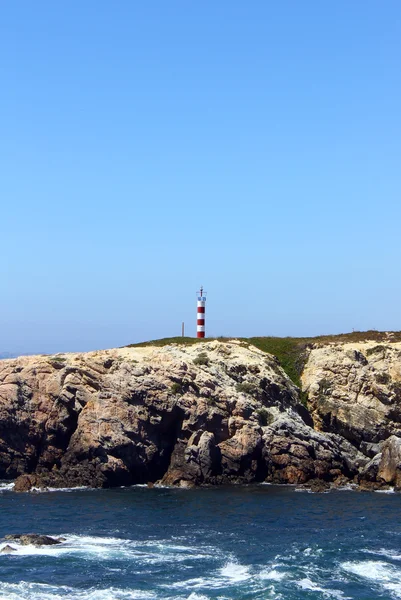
[296,453]
[355,391]
[208,413]
[384,469]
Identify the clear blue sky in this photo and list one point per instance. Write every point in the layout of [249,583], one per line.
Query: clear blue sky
[150,147]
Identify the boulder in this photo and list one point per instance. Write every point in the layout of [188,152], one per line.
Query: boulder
[34,539]
[7,549]
[389,468]
[24,483]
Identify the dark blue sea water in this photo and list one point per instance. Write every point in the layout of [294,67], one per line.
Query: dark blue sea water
[252,542]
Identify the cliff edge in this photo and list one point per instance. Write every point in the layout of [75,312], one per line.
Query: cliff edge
[209,413]
[202,414]
[354,389]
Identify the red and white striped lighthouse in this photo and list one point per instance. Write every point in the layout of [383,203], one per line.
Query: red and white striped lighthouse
[200,315]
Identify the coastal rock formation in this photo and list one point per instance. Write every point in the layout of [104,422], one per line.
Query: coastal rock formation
[7,549]
[354,390]
[33,539]
[206,413]
[201,414]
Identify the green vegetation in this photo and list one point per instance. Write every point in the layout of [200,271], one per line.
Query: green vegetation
[246,388]
[303,398]
[186,341]
[264,416]
[375,350]
[202,359]
[176,388]
[291,352]
[57,362]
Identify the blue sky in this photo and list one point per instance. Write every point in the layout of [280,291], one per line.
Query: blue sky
[148,148]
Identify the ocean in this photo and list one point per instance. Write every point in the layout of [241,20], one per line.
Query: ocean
[246,542]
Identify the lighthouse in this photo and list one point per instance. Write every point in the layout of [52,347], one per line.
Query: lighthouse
[200,314]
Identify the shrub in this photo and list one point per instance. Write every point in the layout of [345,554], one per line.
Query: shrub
[265,417]
[201,359]
[303,398]
[246,388]
[57,362]
[375,350]
[176,388]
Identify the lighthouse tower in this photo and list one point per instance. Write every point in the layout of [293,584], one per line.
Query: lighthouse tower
[200,315]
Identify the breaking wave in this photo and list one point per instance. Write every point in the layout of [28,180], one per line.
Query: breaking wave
[116,549]
[6,486]
[40,591]
[386,576]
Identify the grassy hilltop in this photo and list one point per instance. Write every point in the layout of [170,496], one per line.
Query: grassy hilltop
[290,351]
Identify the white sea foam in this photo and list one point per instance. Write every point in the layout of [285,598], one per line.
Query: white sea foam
[40,591]
[272,574]
[231,574]
[348,487]
[6,486]
[392,554]
[194,584]
[312,551]
[308,584]
[385,575]
[370,569]
[111,548]
[390,490]
[235,572]
[45,490]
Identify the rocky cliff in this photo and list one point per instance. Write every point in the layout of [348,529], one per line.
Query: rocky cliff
[354,389]
[208,413]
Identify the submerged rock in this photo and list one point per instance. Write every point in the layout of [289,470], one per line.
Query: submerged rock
[7,549]
[34,539]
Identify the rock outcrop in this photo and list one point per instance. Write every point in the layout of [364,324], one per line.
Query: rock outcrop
[7,549]
[33,539]
[354,390]
[202,414]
